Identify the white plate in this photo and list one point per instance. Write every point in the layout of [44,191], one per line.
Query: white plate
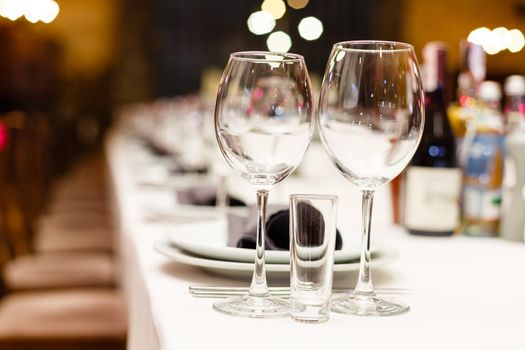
[172,182]
[185,214]
[209,240]
[241,269]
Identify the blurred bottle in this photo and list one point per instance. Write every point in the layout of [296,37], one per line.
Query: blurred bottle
[513,216]
[514,101]
[396,191]
[433,179]
[483,151]
[472,73]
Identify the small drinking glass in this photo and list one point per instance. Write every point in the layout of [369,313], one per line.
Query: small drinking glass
[312,244]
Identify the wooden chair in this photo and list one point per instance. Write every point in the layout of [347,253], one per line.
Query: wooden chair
[63,320]
[20,200]
[47,318]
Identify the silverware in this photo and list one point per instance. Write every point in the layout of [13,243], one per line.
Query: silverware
[179,219]
[201,291]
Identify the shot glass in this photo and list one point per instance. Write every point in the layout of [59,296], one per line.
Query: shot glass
[312,245]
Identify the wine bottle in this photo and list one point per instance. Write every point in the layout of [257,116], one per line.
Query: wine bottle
[513,220]
[514,102]
[471,75]
[433,179]
[483,174]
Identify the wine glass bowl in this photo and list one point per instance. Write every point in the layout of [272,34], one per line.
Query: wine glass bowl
[263,115]
[371,118]
[371,110]
[263,125]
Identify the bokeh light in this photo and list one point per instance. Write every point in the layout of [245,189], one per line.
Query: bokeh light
[491,44]
[297,4]
[279,42]
[50,13]
[515,40]
[498,39]
[261,22]
[478,36]
[33,10]
[310,28]
[277,8]
[499,35]
[12,9]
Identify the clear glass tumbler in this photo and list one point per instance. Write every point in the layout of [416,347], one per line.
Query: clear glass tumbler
[312,245]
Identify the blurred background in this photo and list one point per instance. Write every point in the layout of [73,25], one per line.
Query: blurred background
[96,55]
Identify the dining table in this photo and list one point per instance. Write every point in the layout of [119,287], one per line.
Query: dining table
[463,292]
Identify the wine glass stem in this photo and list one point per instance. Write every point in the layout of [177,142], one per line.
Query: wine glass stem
[222,193]
[364,282]
[259,287]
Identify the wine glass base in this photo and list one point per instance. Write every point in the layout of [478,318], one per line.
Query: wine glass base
[367,305]
[254,307]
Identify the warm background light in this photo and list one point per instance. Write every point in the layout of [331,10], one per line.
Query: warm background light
[418,27]
[12,9]
[497,40]
[479,35]
[515,40]
[33,10]
[279,42]
[261,22]
[50,13]
[499,35]
[310,28]
[277,8]
[297,4]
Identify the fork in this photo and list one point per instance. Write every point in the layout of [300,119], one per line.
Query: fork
[202,291]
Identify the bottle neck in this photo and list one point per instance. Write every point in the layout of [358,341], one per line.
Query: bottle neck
[436,98]
[435,72]
[515,104]
[436,112]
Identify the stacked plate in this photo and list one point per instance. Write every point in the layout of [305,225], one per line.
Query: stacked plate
[205,245]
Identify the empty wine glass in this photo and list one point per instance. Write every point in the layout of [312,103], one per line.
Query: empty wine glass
[371,119]
[263,123]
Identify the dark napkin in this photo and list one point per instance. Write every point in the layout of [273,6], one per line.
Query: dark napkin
[204,195]
[157,149]
[277,229]
[179,169]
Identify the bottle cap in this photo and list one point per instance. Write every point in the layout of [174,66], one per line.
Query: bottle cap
[435,65]
[515,85]
[473,60]
[490,91]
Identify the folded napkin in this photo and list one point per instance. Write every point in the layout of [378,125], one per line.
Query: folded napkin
[204,195]
[156,148]
[179,169]
[243,232]
[179,166]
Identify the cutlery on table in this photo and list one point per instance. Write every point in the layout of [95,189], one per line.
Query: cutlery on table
[202,291]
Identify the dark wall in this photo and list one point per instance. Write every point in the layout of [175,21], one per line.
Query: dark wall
[180,38]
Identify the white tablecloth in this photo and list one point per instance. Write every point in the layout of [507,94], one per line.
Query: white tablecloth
[464,293]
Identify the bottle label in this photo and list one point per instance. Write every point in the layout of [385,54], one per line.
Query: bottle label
[432,198]
[481,203]
[482,194]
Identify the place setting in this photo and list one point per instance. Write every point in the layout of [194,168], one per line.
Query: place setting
[227,246]
[370,120]
[160,136]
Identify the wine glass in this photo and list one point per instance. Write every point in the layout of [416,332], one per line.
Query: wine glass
[263,124]
[371,118]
